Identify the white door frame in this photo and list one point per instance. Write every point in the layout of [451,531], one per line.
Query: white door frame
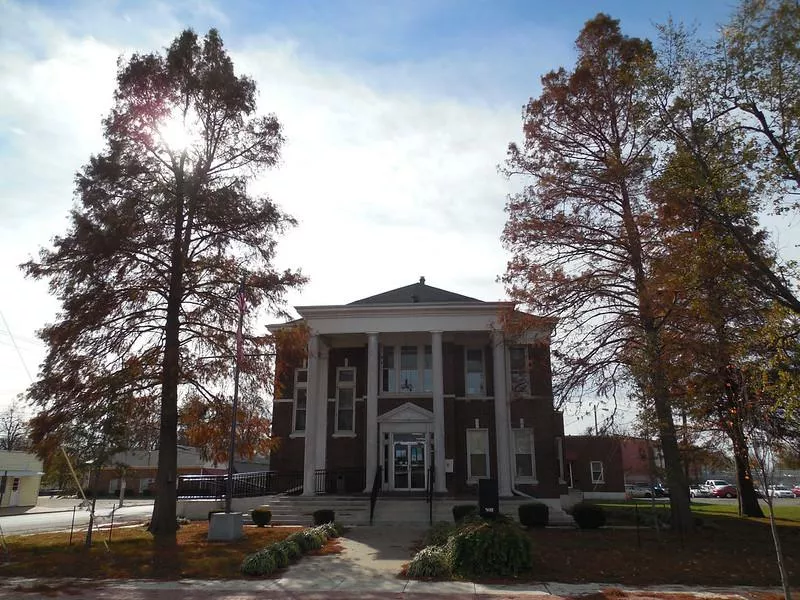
[408,418]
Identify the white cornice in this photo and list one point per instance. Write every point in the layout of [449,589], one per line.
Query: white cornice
[392,310]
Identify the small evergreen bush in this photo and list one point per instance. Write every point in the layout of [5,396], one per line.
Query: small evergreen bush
[534,514]
[462,511]
[261,515]
[281,555]
[432,561]
[490,548]
[322,516]
[332,529]
[292,548]
[438,534]
[588,516]
[259,563]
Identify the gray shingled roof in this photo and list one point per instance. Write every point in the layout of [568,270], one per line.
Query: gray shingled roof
[417,293]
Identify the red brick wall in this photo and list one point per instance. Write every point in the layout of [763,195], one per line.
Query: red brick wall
[582,449]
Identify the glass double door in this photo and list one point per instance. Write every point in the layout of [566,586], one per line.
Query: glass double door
[409,470]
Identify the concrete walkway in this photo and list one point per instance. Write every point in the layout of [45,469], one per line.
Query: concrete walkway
[367,569]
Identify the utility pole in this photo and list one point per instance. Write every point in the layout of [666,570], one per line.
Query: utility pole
[595,420]
[234,408]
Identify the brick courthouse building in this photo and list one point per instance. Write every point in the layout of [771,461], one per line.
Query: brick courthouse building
[419,382]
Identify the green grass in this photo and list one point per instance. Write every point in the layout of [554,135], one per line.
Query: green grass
[708,508]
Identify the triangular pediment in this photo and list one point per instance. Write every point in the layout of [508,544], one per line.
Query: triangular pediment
[406,413]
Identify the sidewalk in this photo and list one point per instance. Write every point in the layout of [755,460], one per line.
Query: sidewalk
[366,569]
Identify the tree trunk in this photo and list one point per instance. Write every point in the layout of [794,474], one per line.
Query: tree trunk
[657,378]
[748,501]
[680,506]
[163,524]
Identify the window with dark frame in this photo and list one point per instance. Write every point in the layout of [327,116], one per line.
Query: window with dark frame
[300,399]
[345,399]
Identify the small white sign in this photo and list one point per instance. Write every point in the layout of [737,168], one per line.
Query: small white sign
[448,465]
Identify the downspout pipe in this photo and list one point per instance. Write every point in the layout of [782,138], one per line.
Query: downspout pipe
[511,448]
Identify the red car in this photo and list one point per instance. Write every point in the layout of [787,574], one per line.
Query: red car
[725,491]
[796,490]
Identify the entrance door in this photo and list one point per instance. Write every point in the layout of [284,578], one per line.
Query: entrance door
[409,465]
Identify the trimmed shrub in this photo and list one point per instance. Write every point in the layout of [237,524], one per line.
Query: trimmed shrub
[259,563]
[304,539]
[280,554]
[462,511]
[534,514]
[332,529]
[293,550]
[432,561]
[438,534]
[490,548]
[261,515]
[588,516]
[322,516]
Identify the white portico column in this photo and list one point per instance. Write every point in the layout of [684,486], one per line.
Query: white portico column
[438,412]
[372,409]
[312,410]
[501,414]
[321,430]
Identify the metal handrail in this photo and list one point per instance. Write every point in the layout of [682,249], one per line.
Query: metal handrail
[373,497]
[339,481]
[262,483]
[429,493]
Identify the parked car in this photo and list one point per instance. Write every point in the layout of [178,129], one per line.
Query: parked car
[712,484]
[661,491]
[796,490]
[639,490]
[725,491]
[780,491]
[698,491]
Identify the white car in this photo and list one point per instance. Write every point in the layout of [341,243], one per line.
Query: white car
[780,491]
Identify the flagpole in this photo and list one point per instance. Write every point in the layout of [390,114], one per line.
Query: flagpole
[234,407]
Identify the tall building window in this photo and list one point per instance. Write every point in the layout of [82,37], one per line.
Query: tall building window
[427,369]
[300,399]
[388,373]
[477,453]
[518,366]
[345,399]
[524,459]
[475,376]
[596,468]
[407,369]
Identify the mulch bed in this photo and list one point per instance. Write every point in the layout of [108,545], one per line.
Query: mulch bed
[726,552]
[132,554]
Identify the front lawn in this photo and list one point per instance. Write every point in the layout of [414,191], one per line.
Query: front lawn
[132,554]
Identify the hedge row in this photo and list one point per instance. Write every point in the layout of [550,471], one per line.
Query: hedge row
[281,554]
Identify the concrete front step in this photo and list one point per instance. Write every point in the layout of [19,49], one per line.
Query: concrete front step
[389,510]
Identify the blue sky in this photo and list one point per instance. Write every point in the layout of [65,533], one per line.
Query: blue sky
[396,113]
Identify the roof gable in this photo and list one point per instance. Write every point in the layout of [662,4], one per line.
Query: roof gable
[417,293]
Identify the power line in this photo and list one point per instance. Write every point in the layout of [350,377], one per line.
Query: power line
[16,347]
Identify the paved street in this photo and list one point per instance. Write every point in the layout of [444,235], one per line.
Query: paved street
[56,514]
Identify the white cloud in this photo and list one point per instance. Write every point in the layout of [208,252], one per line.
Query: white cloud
[388,182]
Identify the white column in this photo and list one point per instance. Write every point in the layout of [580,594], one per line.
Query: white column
[372,409]
[312,409]
[438,412]
[321,436]
[501,422]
